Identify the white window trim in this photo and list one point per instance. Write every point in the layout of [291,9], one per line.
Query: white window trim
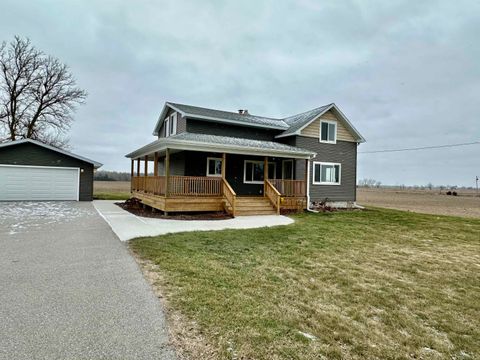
[320,131]
[326,183]
[283,169]
[173,119]
[167,126]
[208,161]
[245,181]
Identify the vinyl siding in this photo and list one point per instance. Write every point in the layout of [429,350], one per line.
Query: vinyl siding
[213,128]
[343,152]
[313,130]
[31,154]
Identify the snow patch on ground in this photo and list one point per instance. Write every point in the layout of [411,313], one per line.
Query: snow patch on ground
[16,217]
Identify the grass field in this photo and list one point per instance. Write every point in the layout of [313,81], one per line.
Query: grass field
[376,284]
[111,190]
[467,204]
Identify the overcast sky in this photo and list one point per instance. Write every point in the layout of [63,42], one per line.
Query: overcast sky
[406,73]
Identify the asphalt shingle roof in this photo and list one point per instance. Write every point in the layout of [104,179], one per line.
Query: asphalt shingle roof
[228,115]
[239,142]
[296,122]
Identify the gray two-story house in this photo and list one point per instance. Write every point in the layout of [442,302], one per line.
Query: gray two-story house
[213,160]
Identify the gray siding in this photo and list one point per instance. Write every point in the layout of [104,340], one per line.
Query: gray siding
[31,154]
[181,124]
[342,152]
[207,127]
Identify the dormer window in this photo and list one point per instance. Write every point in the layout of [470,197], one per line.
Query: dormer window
[328,132]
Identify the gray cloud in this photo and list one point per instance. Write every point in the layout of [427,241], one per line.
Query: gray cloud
[406,73]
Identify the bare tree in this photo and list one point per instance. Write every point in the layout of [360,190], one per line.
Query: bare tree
[38,95]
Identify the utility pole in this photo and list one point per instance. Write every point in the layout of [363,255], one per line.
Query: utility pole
[476,181]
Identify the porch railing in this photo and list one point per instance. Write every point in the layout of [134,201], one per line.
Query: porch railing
[194,186]
[230,196]
[149,184]
[178,185]
[273,195]
[289,187]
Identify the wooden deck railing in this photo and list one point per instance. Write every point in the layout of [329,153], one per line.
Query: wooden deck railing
[289,187]
[194,186]
[229,195]
[149,184]
[178,185]
[273,195]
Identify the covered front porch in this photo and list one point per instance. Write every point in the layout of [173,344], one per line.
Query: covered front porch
[183,179]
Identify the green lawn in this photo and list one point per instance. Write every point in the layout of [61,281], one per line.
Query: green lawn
[111,195]
[376,284]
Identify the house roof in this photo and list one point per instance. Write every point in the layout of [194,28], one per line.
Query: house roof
[298,122]
[64,152]
[215,143]
[220,116]
[290,126]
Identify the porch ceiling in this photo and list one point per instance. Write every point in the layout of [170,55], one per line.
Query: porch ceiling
[221,144]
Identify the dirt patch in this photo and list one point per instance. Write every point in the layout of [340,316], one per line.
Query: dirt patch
[135,207]
[466,204]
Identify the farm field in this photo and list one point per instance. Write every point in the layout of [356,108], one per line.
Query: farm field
[373,284]
[466,204]
[111,190]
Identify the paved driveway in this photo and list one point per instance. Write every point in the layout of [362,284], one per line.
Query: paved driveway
[70,290]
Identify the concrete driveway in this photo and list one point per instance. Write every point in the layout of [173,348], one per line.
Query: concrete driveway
[69,289]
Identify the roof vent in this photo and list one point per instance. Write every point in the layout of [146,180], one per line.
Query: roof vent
[243,111]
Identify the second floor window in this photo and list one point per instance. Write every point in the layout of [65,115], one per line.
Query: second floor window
[171,125]
[328,131]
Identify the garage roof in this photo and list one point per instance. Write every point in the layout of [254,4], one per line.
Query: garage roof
[95,164]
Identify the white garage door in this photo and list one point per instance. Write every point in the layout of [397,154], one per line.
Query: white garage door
[38,183]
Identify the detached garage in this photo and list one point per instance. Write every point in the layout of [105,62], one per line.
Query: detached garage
[31,170]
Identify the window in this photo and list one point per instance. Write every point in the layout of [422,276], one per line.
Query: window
[173,124]
[214,166]
[326,173]
[253,171]
[167,127]
[328,132]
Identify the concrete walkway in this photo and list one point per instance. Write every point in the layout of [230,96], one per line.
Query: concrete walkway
[70,290]
[128,226]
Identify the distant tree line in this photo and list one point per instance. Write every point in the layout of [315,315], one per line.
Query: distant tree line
[372,183]
[105,175]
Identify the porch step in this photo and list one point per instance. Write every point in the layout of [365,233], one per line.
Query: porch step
[253,206]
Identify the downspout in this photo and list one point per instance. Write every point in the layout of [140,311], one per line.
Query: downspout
[308,188]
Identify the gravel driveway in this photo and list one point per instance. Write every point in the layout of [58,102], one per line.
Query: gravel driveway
[69,289]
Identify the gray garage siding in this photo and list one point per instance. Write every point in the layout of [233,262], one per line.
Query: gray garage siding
[34,155]
[343,152]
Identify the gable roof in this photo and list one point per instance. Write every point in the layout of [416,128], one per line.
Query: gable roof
[291,125]
[39,143]
[300,121]
[216,143]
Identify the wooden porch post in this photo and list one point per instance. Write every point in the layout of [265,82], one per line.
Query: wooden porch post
[155,164]
[138,167]
[146,165]
[265,175]
[224,166]
[132,168]
[167,170]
